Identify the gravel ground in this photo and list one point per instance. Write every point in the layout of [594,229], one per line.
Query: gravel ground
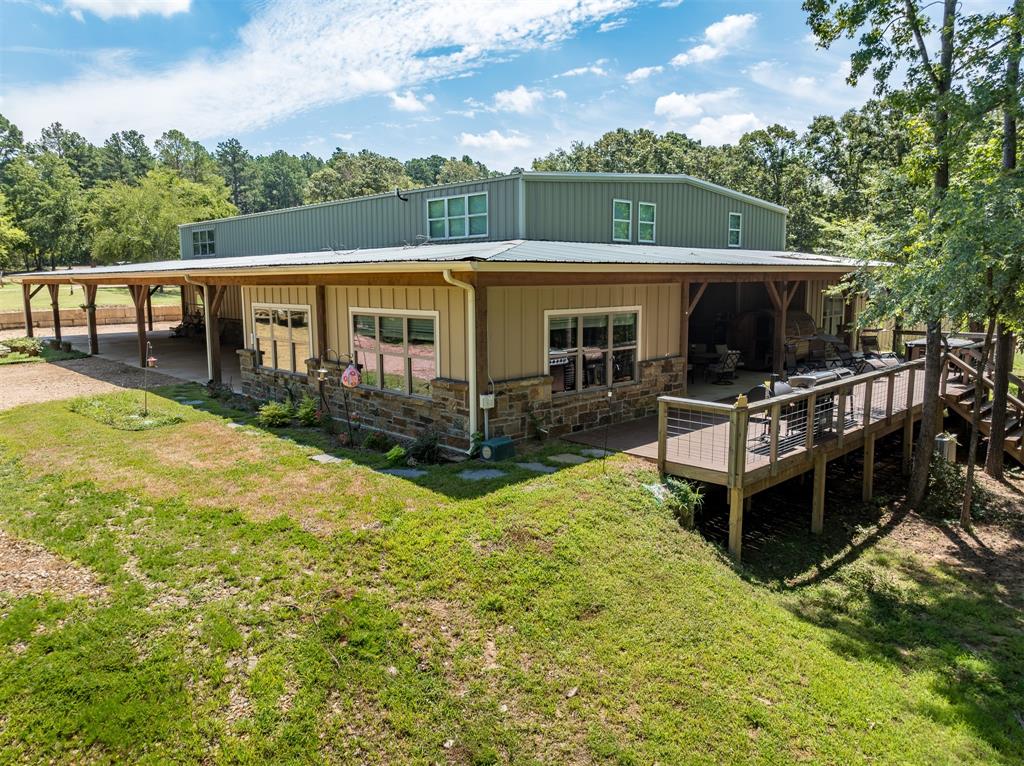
[41,382]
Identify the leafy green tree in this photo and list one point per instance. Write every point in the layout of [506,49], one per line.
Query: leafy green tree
[280,180]
[310,163]
[125,157]
[424,170]
[466,169]
[356,175]
[12,239]
[239,172]
[81,156]
[135,223]
[186,157]
[12,141]
[48,204]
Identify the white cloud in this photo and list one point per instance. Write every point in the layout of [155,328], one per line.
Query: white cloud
[726,129]
[520,99]
[684,106]
[608,26]
[719,38]
[670,3]
[296,55]
[643,73]
[109,9]
[597,68]
[409,101]
[494,140]
[771,75]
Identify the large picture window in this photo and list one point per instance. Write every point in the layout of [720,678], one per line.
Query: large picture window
[282,336]
[592,349]
[459,217]
[202,242]
[398,353]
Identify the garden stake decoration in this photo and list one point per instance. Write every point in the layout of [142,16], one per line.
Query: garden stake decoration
[150,362]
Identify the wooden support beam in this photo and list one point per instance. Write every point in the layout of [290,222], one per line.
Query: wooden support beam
[908,442]
[791,294]
[662,436]
[138,293]
[736,523]
[149,305]
[696,298]
[26,297]
[684,330]
[90,318]
[818,502]
[867,490]
[212,297]
[55,306]
[321,323]
[482,371]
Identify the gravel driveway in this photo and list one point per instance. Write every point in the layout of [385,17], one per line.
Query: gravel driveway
[43,382]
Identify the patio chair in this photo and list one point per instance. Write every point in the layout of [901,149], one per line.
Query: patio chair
[869,342]
[725,369]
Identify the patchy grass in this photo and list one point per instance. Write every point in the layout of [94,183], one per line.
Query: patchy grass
[127,411]
[261,607]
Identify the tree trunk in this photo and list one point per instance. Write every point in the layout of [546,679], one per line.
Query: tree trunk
[972,441]
[1004,349]
[926,437]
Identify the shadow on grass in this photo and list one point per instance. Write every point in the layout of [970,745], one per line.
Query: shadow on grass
[956,624]
[442,478]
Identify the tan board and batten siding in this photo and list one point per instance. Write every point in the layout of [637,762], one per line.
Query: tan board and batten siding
[230,306]
[686,215]
[515,321]
[378,221]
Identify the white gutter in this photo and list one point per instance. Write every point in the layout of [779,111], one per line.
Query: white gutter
[206,322]
[471,342]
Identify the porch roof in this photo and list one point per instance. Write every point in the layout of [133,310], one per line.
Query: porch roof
[468,256]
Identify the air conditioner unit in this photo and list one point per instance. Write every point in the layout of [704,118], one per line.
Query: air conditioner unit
[498,448]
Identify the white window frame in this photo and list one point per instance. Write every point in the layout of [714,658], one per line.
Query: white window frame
[737,229]
[832,301]
[549,314]
[622,220]
[465,217]
[289,307]
[403,314]
[211,242]
[654,223]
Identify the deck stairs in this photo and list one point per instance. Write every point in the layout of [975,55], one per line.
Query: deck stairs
[958,395]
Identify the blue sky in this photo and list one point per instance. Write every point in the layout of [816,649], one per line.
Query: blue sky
[504,81]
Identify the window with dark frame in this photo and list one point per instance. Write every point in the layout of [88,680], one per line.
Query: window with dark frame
[202,242]
[591,350]
[397,353]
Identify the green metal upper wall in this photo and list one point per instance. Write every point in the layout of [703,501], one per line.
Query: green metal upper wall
[543,206]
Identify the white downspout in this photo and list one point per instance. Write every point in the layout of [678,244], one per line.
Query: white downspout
[206,322]
[471,342]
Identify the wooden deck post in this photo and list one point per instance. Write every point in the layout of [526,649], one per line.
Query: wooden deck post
[818,503]
[26,297]
[662,436]
[138,293]
[736,523]
[55,305]
[908,442]
[867,490]
[90,318]
[212,297]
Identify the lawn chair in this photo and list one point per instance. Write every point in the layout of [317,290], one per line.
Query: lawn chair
[846,357]
[869,342]
[725,369]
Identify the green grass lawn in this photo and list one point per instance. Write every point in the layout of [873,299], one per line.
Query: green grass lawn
[71,297]
[261,607]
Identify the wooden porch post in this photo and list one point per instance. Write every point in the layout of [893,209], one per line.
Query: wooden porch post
[138,293]
[213,294]
[26,296]
[867,490]
[482,372]
[149,306]
[55,305]
[818,503]
[736,523]
[321,323]
[90,318]
[780,296]
[687,304]
[908,442]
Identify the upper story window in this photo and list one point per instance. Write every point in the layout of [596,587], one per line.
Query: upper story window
[622,220]
[282,336]
[457,217]
[202,242]
[397,352]
[645,222]
[735,229]
[591,349]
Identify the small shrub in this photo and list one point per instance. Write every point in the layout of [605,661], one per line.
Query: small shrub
[275,415]
[396,454]
[124,411]
[947,483]
[26,346]
[684,500]
[378,442]
[426,448]
[308,412]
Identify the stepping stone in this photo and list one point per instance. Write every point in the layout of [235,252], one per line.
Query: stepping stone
[537,467]
[660,491]
[480,474]
[324,458]
[405,473]
[236,425]
[592,452]
[193,402]
[568,458]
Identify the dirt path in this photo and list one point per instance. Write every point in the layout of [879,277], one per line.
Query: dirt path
[41,382]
